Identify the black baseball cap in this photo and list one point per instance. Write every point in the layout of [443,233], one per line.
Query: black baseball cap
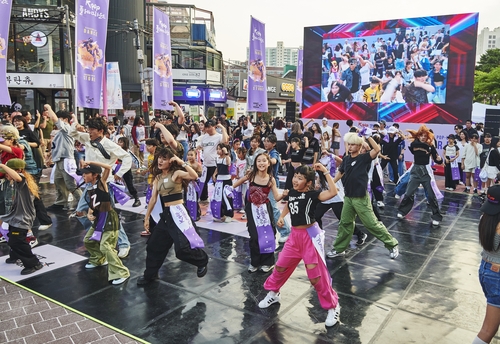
[491,205]
[91,169]
[210,123]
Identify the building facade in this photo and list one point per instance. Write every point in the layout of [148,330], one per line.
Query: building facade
[487,39]
[280,56]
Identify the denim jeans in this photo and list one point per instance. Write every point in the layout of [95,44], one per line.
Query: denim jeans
[123,241]
[490,282]
[285,230]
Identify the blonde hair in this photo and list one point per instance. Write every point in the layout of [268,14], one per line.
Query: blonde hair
[353,139]
[30,182]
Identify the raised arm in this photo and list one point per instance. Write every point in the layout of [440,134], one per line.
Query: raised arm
[106,170]
[332,188]
[52,114]
[178,112]
[12,173]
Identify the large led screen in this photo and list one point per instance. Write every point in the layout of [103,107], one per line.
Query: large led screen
[417,70]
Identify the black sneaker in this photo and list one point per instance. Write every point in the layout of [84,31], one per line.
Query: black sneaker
[467,190]
[137,203]
[27,271]
[202,271]
[361,239]
[475,191]
[55,207]
[143,280]
[11,260]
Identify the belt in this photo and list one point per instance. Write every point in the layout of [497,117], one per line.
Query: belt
[494,267]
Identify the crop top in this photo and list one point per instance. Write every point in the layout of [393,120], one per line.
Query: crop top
[302,206]
[493,256]
[167,187]
[297,155]
[222,168]
[438,77]
[259,194]
[422,151]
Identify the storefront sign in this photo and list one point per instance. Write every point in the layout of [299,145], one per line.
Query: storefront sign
[46,15]
[37,38]
[28,80]
[277,88]
[213,76]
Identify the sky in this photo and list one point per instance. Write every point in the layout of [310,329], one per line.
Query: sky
[285,20]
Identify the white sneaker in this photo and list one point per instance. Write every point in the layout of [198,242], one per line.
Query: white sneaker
[266,268]
[252,268]
[394,252]
[123,252]
[244,216]
[228,219]
[435,223]
[332,254]
[401,216]
[270,298]
[44,227]
[92,266]
[119,280]
[380,204]
[396,196]
[2,239]
[242,211]
[333,316]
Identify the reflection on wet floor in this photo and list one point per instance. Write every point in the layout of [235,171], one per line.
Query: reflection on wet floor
[429,294]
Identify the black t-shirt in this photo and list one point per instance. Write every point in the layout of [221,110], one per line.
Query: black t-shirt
[355,82]
[355,178]
[391,148]
[308,156]
[297,155]
[302,206]
[421,152]
[292,135]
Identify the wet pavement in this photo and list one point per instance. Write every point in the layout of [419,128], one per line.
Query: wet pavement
[429,294]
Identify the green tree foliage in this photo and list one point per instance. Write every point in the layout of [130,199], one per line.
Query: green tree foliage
[487,78]
[489,60]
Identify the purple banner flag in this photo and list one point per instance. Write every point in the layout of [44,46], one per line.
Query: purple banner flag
[91,33]
[300,72]
[163,88]
[257,82]
[5,7]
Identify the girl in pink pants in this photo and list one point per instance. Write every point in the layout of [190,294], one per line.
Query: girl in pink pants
[306,242]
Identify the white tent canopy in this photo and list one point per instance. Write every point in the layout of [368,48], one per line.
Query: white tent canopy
[479,111]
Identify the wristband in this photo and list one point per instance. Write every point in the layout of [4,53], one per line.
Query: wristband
[326,173]
[184,164]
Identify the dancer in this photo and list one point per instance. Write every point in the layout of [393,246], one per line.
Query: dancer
[240,191]
[354,175]
[296,153]
[471,161]
[21,215]
[489,276]
[221,205]
[306,242]
[193,189]
[170,175]
[261,226]
[102,237]
[128,178]
[422,149]
[451,152]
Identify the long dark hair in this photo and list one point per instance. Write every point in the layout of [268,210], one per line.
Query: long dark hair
[126,143]
[487,229]
[166,153]
[255,170]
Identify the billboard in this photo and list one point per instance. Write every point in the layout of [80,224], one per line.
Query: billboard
[416,70]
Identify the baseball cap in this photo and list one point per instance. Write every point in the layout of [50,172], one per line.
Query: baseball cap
[15,164]
[210,123]
[491,205]
[392,130]
[91,169]
[325,119]
[9,132]
[376,125]
[451,136]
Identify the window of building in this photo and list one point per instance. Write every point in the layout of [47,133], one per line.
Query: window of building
[34,48]
[35,2]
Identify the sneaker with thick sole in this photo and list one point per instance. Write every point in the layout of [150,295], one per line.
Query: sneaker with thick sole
[44,227]
[244,216]
[119,281]
[11,260]
[394,252]
[27,271]
[92,266]
[401,216]
[201,271]
[270,298]
[143,280]
[396,196]
[362,239]
[380,204]
[333,316]
[137,203]
[123,252]
[266,268]
[435,223]
[32,240]
[334,254]
[252,268]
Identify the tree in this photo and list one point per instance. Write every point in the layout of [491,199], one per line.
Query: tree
[487,86]
[489,60]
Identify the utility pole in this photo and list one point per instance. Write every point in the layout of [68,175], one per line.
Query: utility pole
[140,59]
[73,106]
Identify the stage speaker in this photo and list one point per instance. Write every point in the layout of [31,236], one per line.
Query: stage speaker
[290,111]
[492,122]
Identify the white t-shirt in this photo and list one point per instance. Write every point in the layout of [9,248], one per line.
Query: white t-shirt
[140,132]
[327,129]
[209,144]
[280,134]
[249,130]
[365,74]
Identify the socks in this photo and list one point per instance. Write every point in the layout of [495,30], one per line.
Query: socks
[478,341]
